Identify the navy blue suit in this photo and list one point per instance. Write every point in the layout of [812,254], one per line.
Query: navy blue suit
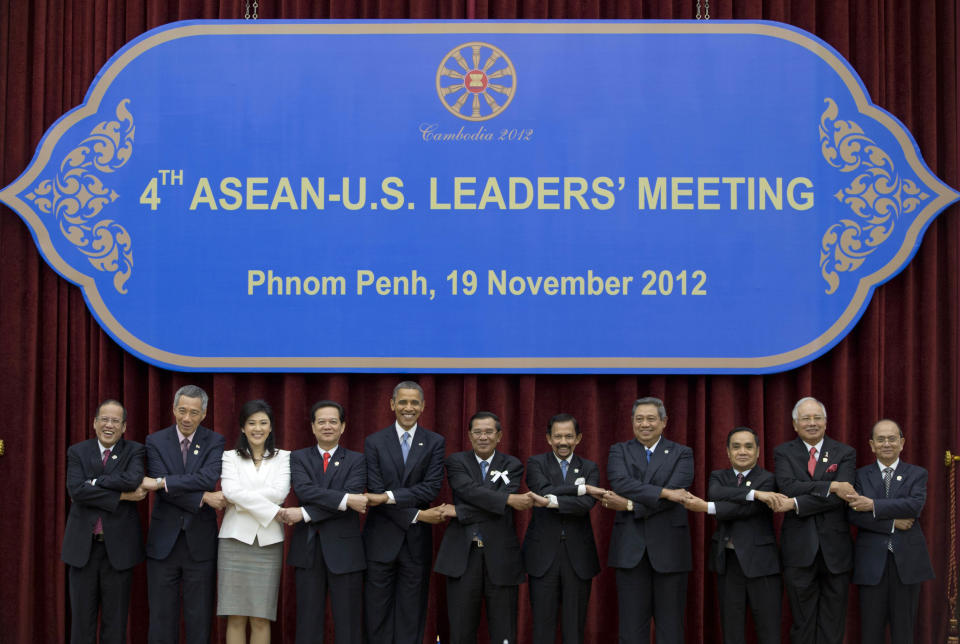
[890,581]
[399,551]
[815,539]
[182,541]
[559,551]
[743,552]
[650,547]
[327,551]
[101,569]
[491,573]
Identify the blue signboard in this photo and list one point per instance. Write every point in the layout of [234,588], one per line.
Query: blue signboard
[477,196]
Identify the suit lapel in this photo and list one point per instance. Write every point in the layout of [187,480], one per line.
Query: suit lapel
[114,457]
[94,457]
[173,444]
[194,450]
[416,453]
[657,459]
[637,452]
[897,480]
[554,471]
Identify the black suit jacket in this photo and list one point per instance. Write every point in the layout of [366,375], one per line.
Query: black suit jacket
[656,526]
[414,486]
[320,494]
[908,493]
[821,519]
[123,472]
[572,518]
[482,505]
[178,507]
[749,524]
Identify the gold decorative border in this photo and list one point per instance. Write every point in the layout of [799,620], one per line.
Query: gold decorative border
[877,196]
[943,196]
[76,196]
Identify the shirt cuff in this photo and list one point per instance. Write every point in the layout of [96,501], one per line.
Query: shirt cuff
[390,499]
[552,498]
[750,495]
[306,517]
[711,507]
[343,503]
[581,490]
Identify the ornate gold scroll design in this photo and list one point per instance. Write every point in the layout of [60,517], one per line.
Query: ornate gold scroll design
[77,196]
[877,196]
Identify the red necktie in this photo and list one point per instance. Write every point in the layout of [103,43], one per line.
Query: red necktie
[326,459]
[739,478]
[812,463]
[98,526]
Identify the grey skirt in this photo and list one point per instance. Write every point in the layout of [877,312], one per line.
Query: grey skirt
[248,578]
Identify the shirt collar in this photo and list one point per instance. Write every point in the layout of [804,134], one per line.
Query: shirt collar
[894,465]
[745,472]
[818,446]
[568,460]
[103,449]
[189,438]
[401,431]
[488,461]
[654,448]
[328,451]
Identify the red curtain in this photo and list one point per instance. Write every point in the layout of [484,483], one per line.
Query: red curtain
[901,361]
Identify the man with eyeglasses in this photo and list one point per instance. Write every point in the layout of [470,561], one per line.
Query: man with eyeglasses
[890,555]
[650,543]
[183,467]
[816,473]
[480,552]
[102,541]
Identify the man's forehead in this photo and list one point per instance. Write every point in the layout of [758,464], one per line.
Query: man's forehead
[408,394]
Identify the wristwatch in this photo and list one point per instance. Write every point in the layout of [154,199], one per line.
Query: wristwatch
[159,481]
[629,505]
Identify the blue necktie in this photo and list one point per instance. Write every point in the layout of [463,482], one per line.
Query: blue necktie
[563,468]
[405,446]
[649,454]
[483,470]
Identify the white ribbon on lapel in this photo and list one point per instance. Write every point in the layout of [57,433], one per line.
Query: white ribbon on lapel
[497,474]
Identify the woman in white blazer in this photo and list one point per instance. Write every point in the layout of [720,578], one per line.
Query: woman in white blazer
[255,480]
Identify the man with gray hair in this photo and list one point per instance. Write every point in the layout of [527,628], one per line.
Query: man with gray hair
[183,467]
[817,473]
[650,544]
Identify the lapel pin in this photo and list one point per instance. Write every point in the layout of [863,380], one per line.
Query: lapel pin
[576,470]
[419,444]
[824,459]
[666,451]
[748,483]
[114,457]
[336,463]
[196,451]
[899,478]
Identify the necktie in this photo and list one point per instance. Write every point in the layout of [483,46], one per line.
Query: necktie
[649,454]
[326,460]
[739,479]
[98,527]
[563,469]
[887,477]
[405,446]
[184,447]
[812,463]
[483,470]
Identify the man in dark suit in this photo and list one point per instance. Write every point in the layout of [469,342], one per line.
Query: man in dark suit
[743,550]
[102,541]
[183,467]
[650,544]
[480,552]
[816,472]
[559,552]
[890,555]
[327,548]
[404,474]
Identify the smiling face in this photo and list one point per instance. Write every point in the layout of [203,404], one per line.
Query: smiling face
[647,424]
[886,441]
[743,451]
[407,405]
[563,438]
[109,424]
[188,413]
[256,429]
[811,422]
[327,427]
[484,437]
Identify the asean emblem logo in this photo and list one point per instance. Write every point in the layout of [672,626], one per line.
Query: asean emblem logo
[476,81]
